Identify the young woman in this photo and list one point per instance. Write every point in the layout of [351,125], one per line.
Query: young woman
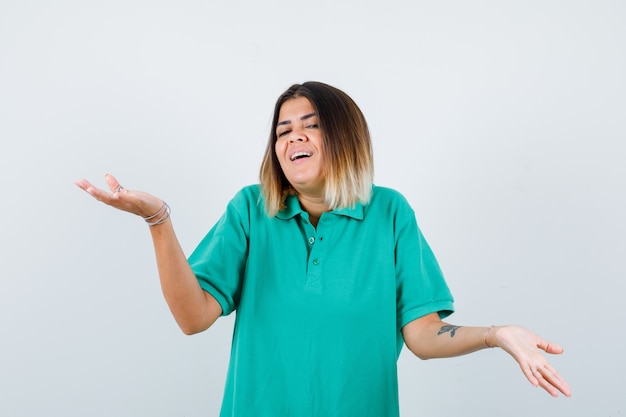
[329,274]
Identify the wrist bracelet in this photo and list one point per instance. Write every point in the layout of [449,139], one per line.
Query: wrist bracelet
[486,333]
[159,211]
[161,216]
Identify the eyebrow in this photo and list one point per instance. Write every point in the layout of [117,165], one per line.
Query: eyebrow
[306,116]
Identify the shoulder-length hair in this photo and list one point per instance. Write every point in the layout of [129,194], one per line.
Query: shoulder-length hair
[348,157]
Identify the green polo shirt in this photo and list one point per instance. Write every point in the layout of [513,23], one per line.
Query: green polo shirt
[319,310]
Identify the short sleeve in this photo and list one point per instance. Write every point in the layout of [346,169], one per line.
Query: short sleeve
[219,260]
[420,284]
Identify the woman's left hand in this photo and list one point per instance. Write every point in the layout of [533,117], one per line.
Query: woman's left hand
[526,348]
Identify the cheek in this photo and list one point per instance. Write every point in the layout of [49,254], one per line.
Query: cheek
[277,149]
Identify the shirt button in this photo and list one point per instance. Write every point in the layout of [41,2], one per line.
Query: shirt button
[316,261]
[311,240]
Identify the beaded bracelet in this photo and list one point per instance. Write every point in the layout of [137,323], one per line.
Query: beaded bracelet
[161,216]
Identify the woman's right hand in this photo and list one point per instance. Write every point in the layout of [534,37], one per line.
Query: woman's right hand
[194,309]
[136,202]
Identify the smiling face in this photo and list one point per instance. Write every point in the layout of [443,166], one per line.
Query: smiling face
[299,146]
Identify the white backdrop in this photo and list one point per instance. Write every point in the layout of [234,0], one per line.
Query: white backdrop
[502,122]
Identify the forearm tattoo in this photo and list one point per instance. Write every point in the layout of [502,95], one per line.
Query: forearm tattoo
[446,329]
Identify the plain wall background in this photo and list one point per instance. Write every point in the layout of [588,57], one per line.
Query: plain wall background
[502,122]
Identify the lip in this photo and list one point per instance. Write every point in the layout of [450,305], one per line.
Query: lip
[297,150]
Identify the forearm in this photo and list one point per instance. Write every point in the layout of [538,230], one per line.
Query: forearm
[437,339]
[193,309]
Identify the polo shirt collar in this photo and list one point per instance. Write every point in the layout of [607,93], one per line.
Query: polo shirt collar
[355,212]
[293,208]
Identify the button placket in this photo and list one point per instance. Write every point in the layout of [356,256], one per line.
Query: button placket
[317,253]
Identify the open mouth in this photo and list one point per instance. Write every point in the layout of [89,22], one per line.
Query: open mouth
[300,155]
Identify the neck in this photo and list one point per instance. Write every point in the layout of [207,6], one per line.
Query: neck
[314,205]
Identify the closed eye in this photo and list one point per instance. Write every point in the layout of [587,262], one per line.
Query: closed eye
[283,133]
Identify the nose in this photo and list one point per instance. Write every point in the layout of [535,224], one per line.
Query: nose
[297,136]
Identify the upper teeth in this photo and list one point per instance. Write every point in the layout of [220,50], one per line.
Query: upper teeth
[299,154]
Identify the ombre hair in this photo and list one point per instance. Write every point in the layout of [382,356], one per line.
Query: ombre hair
[347,150]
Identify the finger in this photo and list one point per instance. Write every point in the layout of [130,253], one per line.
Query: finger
[83,184]
[547,378]
[89,188]
[545,383]
[549,347]
[537,379]
[531,375]
[97,193]
[552,382]
[552,376]
[113,184]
